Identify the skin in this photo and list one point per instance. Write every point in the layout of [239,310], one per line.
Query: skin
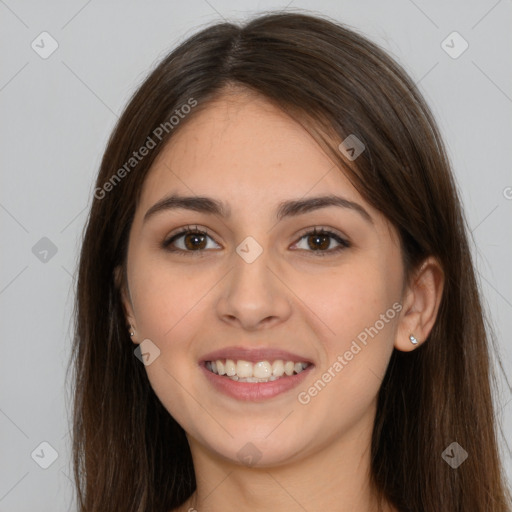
[315,456]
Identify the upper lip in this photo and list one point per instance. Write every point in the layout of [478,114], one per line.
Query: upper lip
[254,355]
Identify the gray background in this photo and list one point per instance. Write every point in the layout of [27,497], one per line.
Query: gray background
[58,112]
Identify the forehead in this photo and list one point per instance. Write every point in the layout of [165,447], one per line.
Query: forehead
[241,143]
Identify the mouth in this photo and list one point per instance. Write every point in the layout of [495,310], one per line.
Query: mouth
[260,371]
[254,374]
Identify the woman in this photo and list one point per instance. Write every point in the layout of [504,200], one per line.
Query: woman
[276,304]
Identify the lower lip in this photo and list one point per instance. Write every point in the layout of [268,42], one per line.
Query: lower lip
[255,391]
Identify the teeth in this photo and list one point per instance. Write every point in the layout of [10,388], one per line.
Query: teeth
[243,369]
[262,371]
[230,368]
[278,368]
[289,366]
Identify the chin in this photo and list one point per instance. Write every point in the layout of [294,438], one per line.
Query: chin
[251,449]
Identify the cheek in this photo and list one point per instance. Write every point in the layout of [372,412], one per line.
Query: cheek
[349,300]
[358,336]
[166,299]
[170,310]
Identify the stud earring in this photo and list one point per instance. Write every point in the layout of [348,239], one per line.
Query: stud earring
[131,332]
[414,341]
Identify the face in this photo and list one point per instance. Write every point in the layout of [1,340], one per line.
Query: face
[263,285]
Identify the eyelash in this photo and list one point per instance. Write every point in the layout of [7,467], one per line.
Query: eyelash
[344,244]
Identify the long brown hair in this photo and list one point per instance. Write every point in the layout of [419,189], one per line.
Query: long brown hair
[129,454]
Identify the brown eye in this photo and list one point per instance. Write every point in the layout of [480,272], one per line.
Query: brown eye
[319,242]
[194,241]
[188,240]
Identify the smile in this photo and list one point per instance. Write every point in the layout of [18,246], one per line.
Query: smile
[261,371]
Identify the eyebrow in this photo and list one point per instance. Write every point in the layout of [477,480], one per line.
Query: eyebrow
[289,208]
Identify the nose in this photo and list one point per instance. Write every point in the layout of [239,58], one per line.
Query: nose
[253,296]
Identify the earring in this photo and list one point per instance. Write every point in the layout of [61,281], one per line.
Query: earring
[414,341]
[131,332]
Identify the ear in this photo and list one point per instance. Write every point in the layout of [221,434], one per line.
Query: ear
[422,298]
[122,286]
